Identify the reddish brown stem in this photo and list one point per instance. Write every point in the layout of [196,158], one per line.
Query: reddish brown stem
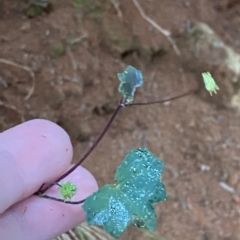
[43,190]
[164,100]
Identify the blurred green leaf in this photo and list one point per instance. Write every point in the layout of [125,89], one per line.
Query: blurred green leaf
[67,190]
[58,50]
[209,82]
[130,79]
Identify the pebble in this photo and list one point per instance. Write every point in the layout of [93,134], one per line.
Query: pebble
[25,27]
[233,179]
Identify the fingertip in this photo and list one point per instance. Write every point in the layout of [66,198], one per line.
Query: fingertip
[46,218]
[32,153]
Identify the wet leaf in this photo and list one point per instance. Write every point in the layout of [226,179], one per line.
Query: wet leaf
[130,79]
[130,200]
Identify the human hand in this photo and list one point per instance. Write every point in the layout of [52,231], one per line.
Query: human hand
[33,153]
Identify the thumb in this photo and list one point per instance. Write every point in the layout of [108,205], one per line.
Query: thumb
[37,218]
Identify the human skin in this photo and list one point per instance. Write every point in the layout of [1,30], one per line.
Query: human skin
[33,153]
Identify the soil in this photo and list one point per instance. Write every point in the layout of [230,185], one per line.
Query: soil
[75,49]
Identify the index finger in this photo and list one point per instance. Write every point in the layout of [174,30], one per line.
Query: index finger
[32,153]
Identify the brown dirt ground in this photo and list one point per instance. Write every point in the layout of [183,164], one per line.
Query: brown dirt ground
[78,90]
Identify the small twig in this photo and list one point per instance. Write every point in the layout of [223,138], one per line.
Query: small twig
[227,187]
[165,32]
[74,63]
[12,107]
[79,39]
[116,4]
[3,82]
[31,90]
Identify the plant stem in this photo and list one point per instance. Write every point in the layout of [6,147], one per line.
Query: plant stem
[61,200]
[120,105]
[162,101]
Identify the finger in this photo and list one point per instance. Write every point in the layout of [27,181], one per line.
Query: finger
[38,218]
[31,154]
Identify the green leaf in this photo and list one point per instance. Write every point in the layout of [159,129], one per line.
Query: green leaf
[67,190]
[130,79]
[130,200]
[209,82]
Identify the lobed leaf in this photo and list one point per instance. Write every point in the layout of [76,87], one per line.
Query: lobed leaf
[130,200]
[130,79]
